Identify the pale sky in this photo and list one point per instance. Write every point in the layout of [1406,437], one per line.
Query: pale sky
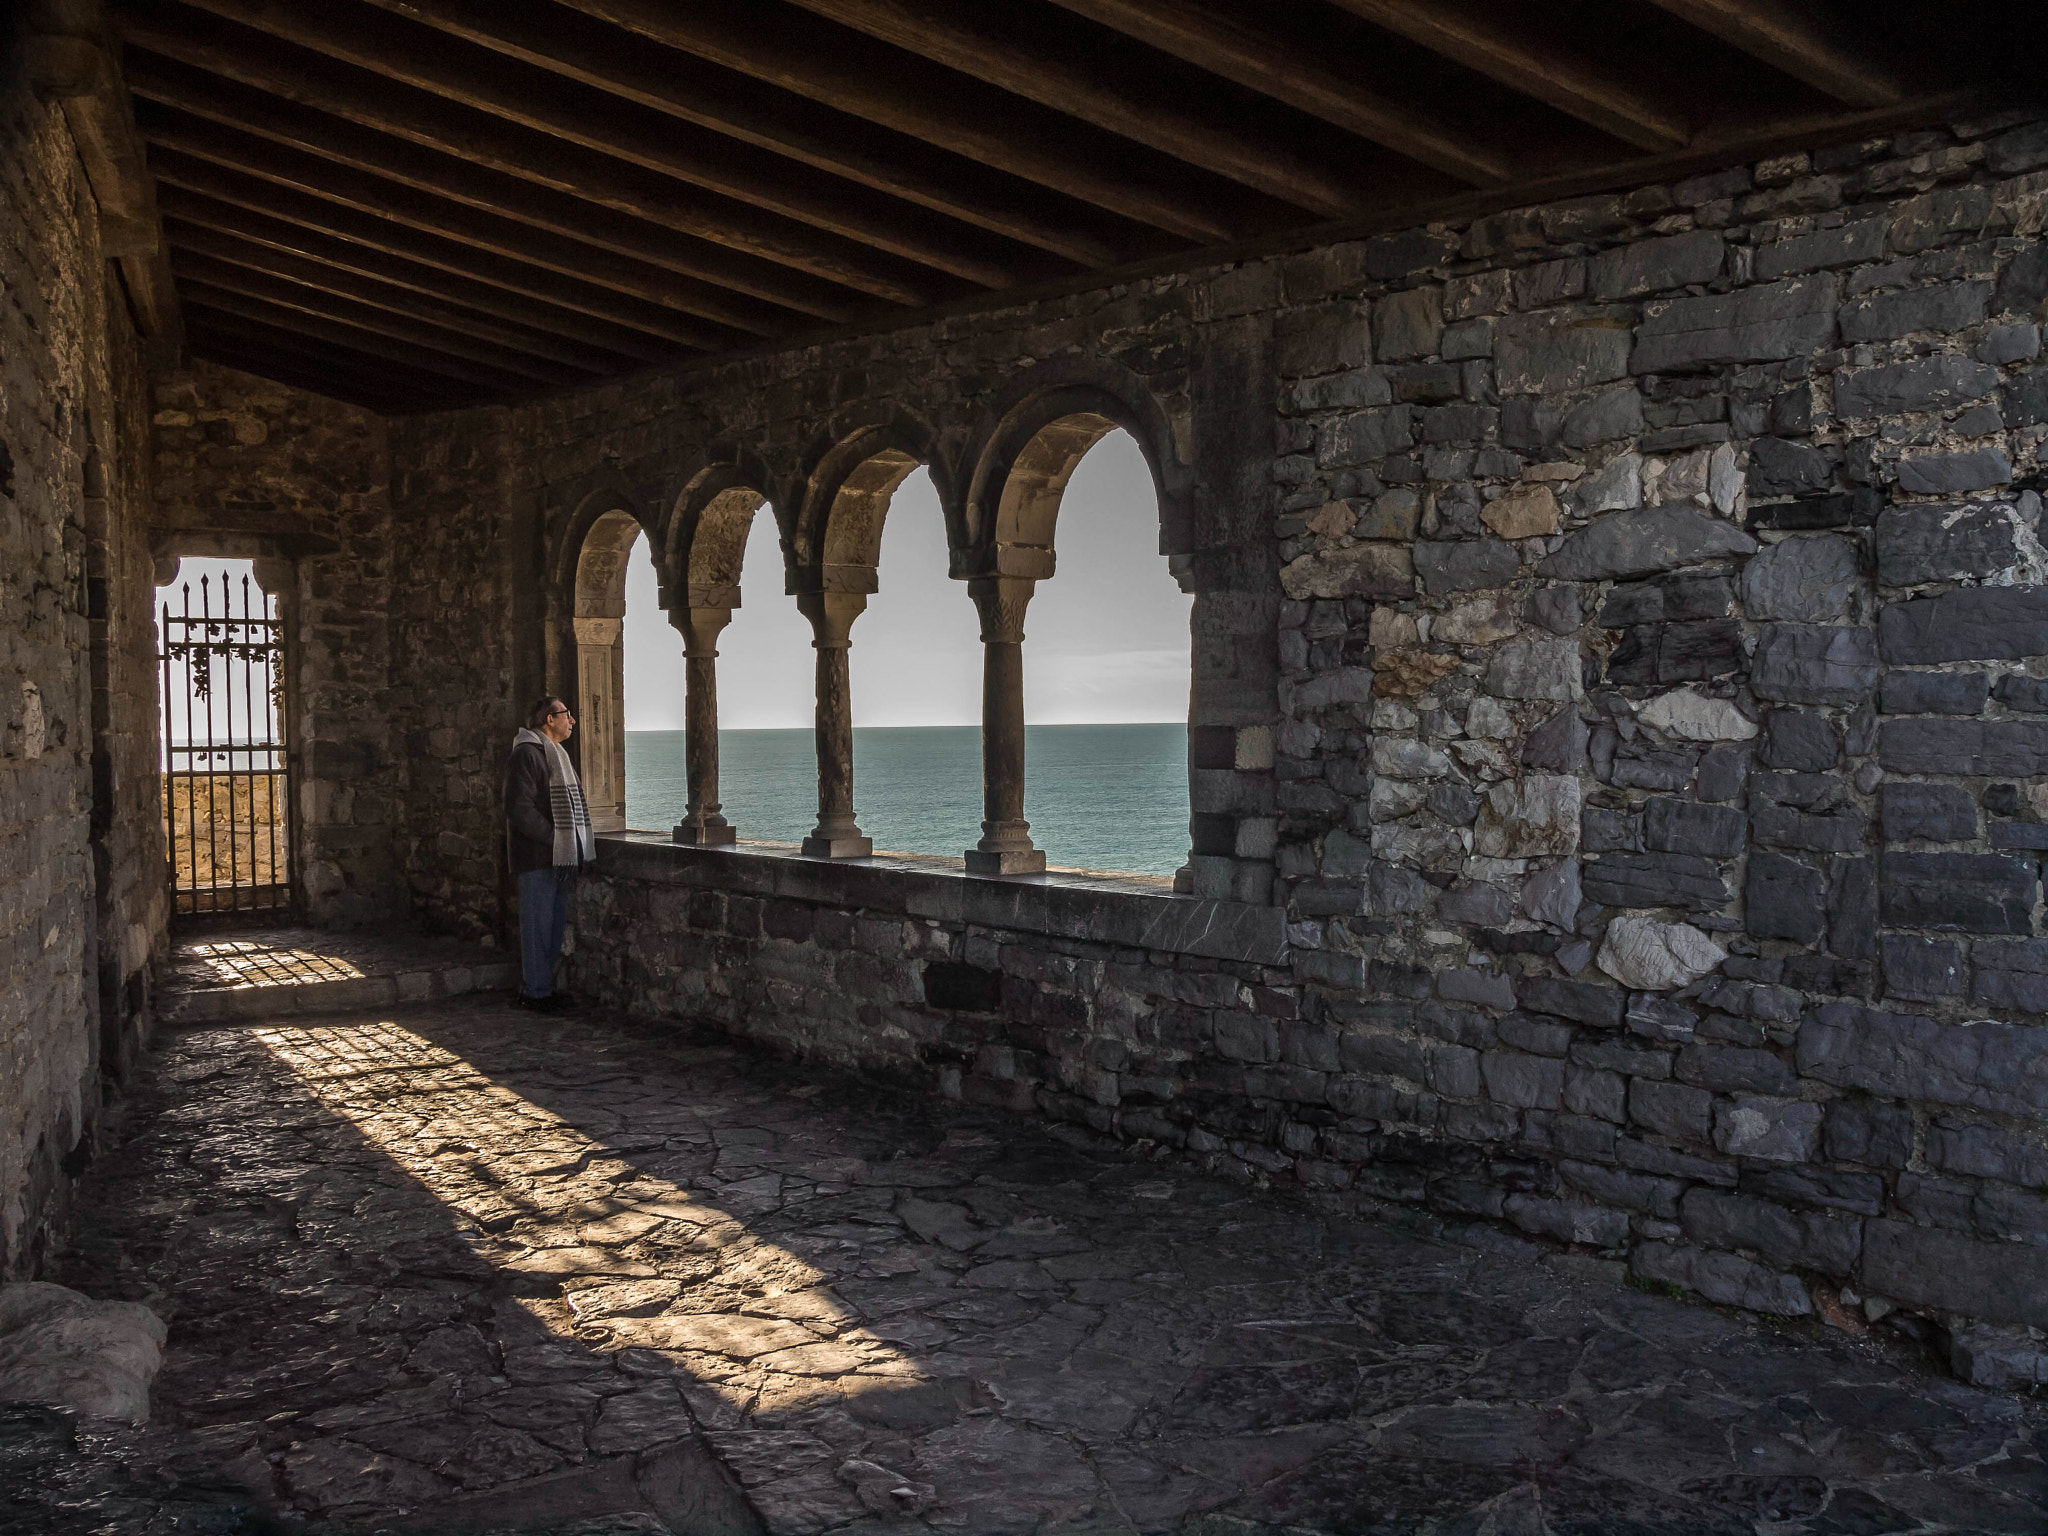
[1106,640]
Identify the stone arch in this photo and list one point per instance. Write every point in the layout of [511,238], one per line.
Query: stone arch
[708,530]
[598,538]
[1030,450]
[846,496]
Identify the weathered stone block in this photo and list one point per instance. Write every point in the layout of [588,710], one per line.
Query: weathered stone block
[1760,324]
[1356,570]
[1784,898]
[1568,1220]
[1844,246]
[1607,417]
[1409,325]
[1943,307]
[1779,468]
[1947,474]
[1364,436]
[1734,1069]
[1940,813]
[1808,580]
[2007,747]
[1725,1278]
[1837,1189]
[1559,350]
[1671,1109]
[1465,565]
[1584,1001]
[1924,384]
[1651,266]
[2012,973]
[1922,1266]
[1814,664]
[1800,740]
[1773,1130]
[1685,826]
[1644,541]
[1794,1239]
[1932,693]
[1958,892]
[1522,1080]
[1535,815]
[1781,826]
[1985,1064]
[1642,953]
[1535,669]
[1654,880]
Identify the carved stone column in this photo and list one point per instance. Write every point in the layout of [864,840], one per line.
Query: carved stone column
[702,826]
[1005,847]
[837,836]
[600,687]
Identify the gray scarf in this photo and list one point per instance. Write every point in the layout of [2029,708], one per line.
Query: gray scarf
[575,843]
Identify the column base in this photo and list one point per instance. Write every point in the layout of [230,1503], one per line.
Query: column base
[838,847]
[1026,861]
[705,837]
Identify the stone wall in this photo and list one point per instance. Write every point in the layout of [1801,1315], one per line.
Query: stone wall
[82,904]
[1623,655]
[249,468]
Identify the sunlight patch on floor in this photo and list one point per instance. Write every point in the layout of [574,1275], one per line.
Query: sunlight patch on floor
[643,1263]
[248,963]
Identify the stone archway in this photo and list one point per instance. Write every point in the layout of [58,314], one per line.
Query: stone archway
[600,674]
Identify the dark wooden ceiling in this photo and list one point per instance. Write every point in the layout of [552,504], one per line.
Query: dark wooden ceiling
[420,203]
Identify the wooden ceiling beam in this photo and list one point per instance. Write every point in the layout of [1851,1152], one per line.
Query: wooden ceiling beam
[1273,68]
[305,322]
[404,302]
[945,35]
[436,191]
[286,293]
[551,37]
[1485,39]
[1795,41]
[248,197]
[349,377]
[222,222]
[853,74]
[196,215]
[761,251]
[549,103]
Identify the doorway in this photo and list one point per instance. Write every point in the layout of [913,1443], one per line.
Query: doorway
[225,769]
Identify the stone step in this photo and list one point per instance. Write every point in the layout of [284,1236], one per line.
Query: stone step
[228,977]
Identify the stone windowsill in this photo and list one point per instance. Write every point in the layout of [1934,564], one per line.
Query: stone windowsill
[1137,911]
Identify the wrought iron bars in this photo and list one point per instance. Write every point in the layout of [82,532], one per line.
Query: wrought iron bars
[230,787]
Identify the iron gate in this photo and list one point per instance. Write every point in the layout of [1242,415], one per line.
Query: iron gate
[226,783]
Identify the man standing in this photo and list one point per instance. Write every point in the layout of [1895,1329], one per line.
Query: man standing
[548,830]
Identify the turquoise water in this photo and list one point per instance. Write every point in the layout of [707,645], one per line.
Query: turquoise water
[1097,796]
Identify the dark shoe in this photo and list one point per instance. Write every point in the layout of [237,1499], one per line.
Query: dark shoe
[535,1004]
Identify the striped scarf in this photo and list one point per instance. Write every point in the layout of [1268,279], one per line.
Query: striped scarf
[575,843]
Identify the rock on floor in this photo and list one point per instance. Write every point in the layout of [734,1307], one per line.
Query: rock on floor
[64,1350]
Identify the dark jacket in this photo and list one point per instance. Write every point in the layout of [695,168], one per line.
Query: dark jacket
[529,817]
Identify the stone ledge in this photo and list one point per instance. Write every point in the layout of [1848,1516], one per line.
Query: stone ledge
[1137,911]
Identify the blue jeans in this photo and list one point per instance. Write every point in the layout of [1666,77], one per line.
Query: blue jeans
[543,912]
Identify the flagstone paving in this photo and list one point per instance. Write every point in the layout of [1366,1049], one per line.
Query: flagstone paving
[452,1268]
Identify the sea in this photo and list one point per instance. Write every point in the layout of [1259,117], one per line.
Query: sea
[1109,797]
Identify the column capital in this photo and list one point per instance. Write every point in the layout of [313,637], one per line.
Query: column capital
[700,628]
[831,615]
[597,631]
[1001,601]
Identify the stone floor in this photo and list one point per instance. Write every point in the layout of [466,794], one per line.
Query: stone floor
[452,1268]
